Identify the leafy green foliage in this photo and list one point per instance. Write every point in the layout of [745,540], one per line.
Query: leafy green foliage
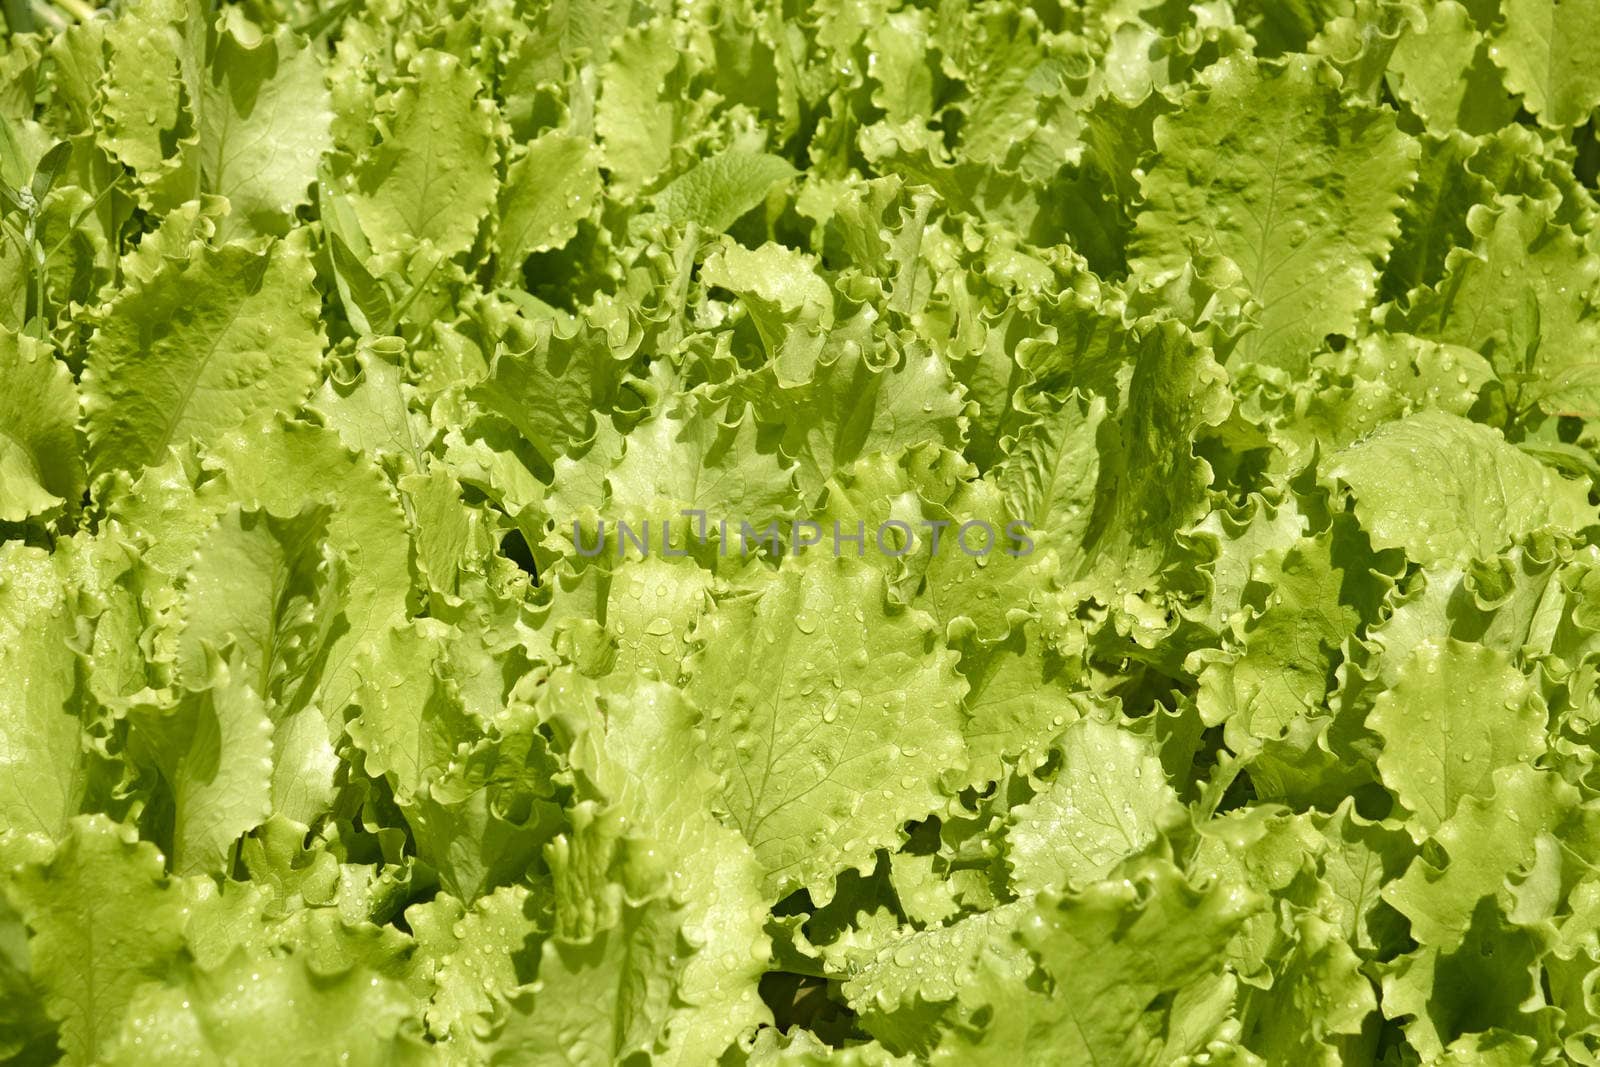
[343,347]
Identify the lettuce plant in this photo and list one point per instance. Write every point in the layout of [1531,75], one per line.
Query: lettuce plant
[736,532]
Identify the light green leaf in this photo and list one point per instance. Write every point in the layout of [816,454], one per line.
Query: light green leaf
[1107,801]
[266,120]
[718,190]
[411,718]
[637,128]
[41,755]
[550,389]
[473,956]
[150,64]
[1541,45]
[372,411]
[691,459]
[1050,476]
[640,746]
[432,178]
[598,1001]
[104,921]
[1117,953]
[1021,695]
[651,612]
[903,987]
[1361,858]
[1380,378]
[1298,190]
[1433,219]
[282,468]
[1444,72]
[215,751]
[1456,714]
[1239,540]
[1525,296]
[852,401]
[261,583]
[548,191]
[1462,1005]
[1163,390]
[786,297]
[304,766]
[1280,673]
[1484,842]
[41,468]
[1318,1002]
[1448,490]
[836,716]
[462,833]
[198,349]
[208,1016]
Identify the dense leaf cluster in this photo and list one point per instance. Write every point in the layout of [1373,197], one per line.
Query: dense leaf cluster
[334,335]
